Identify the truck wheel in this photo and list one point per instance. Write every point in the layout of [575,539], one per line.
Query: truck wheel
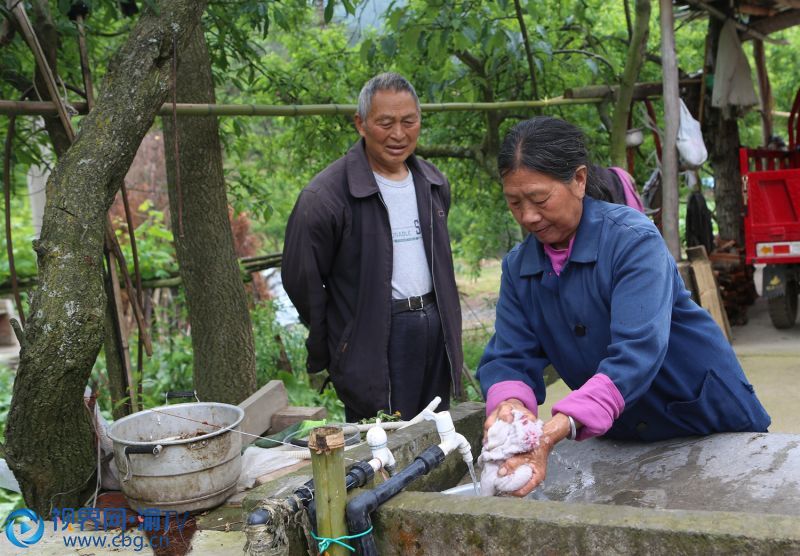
[783,309]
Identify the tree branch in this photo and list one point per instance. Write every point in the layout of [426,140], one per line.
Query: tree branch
[628,19]
[586,53]
[633,64]
[446,151]
[473,63]
[528,54]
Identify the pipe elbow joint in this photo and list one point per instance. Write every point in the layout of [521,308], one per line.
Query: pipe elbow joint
[464,448]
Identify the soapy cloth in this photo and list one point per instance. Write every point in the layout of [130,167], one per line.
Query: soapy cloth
[504,440]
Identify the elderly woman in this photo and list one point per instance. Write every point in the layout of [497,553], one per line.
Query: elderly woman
[594,291]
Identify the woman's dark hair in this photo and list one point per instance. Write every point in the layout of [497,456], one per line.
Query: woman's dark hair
[550,146]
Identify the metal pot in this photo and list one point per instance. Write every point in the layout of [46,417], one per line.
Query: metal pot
[183,457]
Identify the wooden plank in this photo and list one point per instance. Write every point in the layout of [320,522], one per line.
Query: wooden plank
[260,408]
[294,414]
[707,287]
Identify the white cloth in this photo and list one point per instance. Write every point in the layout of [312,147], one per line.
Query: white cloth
[733,81]
[504,440]
[257,462]
[411,274]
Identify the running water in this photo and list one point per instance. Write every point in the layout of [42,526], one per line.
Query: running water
[475,484]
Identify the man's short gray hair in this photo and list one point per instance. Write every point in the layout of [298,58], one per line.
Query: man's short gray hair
[383,82]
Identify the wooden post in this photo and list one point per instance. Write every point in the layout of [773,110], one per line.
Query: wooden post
[764,91]
[327,464]
[669,158]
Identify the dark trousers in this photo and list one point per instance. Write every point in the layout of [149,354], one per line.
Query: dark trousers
[419,368]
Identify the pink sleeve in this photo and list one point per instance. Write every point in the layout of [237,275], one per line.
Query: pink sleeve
[507,389]
[596,405]
[631,196]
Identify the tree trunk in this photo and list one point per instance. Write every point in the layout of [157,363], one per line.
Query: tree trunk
[721,135]
[222,334]
[633,64]
[50,444]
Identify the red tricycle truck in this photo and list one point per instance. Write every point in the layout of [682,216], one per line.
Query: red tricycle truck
[771,199]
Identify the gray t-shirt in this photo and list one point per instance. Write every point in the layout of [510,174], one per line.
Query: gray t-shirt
[411,274]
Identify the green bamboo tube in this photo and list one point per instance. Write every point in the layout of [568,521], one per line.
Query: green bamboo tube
[327,464]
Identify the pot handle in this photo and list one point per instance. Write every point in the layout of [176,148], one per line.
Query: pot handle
[181,394]
[152,449]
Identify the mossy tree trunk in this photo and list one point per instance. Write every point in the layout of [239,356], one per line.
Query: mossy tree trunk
[721,136]
[222,334]
[50,445]
[633,63]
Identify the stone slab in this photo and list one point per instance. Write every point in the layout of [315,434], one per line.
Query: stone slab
[223,519]
[259,409]
[218,543]
[724,494]
[737,472]
[430,524]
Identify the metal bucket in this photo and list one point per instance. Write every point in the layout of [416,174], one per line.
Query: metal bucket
[183,457]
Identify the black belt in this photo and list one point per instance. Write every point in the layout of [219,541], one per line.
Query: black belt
[414,303]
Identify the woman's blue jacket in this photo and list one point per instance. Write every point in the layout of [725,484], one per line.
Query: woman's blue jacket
[619,307]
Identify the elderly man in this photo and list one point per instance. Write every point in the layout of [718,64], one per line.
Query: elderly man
[367,263]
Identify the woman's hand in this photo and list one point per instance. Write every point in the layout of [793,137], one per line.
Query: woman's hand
[554,430]
[503,411]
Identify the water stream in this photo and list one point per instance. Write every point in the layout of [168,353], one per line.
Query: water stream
[475,484]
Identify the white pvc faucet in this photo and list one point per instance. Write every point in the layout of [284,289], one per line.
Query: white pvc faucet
[450,439]
[379,445]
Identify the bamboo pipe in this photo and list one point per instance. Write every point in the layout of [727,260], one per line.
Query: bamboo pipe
[327,464]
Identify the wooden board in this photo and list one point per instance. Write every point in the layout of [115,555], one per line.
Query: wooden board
[259,409]
[707,287]
[294,414]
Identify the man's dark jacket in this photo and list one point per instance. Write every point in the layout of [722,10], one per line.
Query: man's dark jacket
[337,270]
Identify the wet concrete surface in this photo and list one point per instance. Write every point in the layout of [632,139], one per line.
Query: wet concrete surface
[738,472]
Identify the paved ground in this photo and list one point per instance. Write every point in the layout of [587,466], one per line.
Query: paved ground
[771,360]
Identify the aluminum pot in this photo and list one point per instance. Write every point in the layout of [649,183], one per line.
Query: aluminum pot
[183,457]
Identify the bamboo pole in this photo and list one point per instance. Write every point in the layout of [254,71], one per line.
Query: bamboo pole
[669,157]
[327,463]
[248,265]
[37,108]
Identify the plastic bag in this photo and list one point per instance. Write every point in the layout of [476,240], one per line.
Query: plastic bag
[691,148]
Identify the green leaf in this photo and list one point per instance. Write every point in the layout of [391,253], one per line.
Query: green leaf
[388,46]
[546,47]
[329,11]
[367,51]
